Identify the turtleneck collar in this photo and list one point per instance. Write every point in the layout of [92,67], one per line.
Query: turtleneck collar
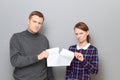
[31,34]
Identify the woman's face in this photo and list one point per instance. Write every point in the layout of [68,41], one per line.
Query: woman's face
[81,35]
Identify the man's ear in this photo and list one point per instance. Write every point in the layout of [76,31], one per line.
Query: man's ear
[28,21]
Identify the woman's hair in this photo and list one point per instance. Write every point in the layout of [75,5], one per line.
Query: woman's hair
[84,27]
[36,13]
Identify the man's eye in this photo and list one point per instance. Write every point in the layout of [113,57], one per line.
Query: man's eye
[40,23]
[76,33]
[34,21]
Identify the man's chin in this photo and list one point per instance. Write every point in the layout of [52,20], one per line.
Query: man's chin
[35,32]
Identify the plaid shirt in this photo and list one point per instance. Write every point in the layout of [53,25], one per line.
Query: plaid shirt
[81,70]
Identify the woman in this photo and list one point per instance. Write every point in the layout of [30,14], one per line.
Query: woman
[85,61]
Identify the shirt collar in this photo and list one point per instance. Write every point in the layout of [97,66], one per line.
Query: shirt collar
[85,47]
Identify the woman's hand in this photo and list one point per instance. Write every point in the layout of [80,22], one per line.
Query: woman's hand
[79,56]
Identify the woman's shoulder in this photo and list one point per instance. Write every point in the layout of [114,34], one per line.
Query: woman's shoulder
[92,47]
[72,46]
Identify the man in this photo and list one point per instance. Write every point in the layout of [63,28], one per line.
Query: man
[27,51]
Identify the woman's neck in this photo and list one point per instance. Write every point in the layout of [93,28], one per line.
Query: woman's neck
[82,44]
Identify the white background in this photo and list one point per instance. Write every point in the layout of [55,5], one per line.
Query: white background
[102,17]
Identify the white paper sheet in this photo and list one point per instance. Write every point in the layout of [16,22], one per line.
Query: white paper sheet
[63,58]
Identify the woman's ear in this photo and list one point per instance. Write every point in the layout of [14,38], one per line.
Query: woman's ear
[88,32]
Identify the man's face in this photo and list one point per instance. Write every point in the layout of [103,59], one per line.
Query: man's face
[35,24]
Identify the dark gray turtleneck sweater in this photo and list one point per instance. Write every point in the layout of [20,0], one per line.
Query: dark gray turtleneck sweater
[24,48]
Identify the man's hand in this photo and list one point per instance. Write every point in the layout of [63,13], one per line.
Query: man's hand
[43,55]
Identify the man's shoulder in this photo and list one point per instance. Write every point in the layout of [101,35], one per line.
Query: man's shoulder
[42,35]
[17,34]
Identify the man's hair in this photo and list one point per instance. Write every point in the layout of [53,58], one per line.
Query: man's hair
[36,13]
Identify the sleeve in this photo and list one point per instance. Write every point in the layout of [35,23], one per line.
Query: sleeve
[16,57]
[50,73]
[48,46]
[68,68]
[92,64]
